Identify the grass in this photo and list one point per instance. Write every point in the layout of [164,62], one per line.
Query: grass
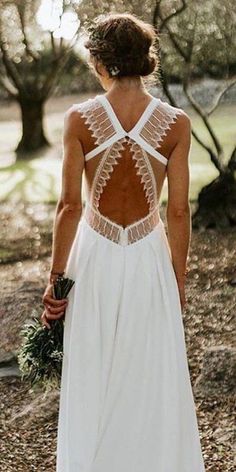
[39,179]
[35,180]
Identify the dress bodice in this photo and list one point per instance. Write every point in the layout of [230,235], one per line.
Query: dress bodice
[110,140]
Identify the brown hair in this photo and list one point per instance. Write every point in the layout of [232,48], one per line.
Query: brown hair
[124,44]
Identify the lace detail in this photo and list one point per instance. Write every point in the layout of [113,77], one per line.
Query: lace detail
[97,119]
[115,232]
[104,170]
[111,137]
[145,171]
[154,130]
[110,159]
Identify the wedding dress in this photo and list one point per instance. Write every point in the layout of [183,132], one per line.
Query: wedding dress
[126,402]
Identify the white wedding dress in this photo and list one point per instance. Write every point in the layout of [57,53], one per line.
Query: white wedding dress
[126,402]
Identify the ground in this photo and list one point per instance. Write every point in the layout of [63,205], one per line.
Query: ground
[29,439]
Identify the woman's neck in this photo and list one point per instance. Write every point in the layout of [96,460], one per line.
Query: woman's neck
[130,86]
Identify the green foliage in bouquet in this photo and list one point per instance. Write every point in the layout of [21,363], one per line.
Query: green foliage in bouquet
[40,356]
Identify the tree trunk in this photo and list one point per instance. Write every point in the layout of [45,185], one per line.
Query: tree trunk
[217,203]
[33,137]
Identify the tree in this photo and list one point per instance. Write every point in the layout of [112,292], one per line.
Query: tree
[195,34]
[196,40]
[33,58]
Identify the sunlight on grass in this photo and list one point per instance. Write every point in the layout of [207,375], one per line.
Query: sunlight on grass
[35,181]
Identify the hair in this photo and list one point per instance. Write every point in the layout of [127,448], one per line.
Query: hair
[124,44]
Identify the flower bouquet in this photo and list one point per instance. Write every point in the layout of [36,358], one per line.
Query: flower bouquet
[40,356]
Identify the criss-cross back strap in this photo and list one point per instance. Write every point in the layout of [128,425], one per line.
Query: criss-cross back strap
[110,159]
[148,132]
[100,124]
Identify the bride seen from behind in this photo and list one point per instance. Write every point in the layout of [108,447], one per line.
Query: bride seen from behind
[125,364]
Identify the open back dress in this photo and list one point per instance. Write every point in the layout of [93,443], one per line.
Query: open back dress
[126,401]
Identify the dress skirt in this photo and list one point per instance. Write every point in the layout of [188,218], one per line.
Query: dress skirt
[126,401]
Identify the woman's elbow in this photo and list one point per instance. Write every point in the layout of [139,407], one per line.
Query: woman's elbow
[181,211]
[70,208]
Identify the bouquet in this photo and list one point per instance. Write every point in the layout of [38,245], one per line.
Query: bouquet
[40,356]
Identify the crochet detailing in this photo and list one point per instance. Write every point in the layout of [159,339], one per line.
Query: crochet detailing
[97,119]
[115,232]
[145,171]
[104,170]
[110,159]
[156,127]
[110,140]
[106,129]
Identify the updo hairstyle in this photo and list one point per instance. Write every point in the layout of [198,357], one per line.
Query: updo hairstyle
[124,44]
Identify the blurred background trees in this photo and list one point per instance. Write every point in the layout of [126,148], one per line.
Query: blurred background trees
[42,54]
[199,41]
[34,53]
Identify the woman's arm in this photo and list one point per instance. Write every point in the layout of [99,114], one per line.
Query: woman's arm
[178,208]
[69,206]
[68,212]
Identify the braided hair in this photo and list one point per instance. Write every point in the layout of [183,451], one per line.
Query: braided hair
[124,44]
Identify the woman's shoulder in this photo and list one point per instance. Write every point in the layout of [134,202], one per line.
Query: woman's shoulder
[80,106]
[180,116]
[77,113]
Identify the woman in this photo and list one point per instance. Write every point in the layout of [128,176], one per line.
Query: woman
[126,402]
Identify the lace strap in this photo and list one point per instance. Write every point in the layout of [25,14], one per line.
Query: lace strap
[104,170]
[97,120]
[144,169]
[156,127]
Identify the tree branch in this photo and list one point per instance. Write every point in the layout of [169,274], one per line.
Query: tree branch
[53,44]
[175,13]
[164,24]
[219,96]
[204,117]
[217,154]
[61,44]
[6,84]
[213,156]
[11,69]
[232,161]
[168,93]
[207,148]
[21,12]
[9,65]
[57,66]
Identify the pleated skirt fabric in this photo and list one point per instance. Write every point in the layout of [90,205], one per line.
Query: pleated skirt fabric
[126,401]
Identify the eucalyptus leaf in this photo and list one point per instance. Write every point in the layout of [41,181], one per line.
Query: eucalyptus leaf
[41,353]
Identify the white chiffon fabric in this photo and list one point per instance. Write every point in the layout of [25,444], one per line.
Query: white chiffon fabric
[126,401]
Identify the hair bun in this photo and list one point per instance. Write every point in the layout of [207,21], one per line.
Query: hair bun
[149,65]
[124,44]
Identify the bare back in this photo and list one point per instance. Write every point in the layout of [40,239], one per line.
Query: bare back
[125,166]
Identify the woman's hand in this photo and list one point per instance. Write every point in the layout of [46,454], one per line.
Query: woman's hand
[54,309]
